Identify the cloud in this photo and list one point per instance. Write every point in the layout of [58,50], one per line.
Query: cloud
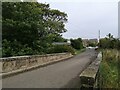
[85,19]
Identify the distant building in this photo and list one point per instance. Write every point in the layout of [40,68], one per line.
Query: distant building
[61,43]
[86,42]
[95,41]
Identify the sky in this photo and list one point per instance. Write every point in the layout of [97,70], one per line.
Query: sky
[87,17]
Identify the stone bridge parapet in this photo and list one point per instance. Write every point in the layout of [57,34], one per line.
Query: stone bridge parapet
[21,63]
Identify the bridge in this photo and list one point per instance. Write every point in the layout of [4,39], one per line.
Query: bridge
[63,74]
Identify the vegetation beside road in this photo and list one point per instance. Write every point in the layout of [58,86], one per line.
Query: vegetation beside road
[77,43]
[109,42]
[61,49]
[109,69]
[32,28]
[110,65]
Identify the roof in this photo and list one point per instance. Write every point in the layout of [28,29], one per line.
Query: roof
[60,43]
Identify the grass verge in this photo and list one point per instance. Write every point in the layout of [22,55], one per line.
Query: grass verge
[109,69]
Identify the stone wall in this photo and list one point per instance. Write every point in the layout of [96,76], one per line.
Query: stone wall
[89,77]
[24,62]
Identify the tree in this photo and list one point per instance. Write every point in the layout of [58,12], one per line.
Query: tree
[31,24]
[110,36]
[109,42]
[76,43]
[92,44]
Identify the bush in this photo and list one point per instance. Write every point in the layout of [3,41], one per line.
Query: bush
[15,49]
[61,49]
[77,43]
[92,44]
[109,42]
[6,49]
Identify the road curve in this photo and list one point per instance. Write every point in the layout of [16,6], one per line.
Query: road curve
[63,74]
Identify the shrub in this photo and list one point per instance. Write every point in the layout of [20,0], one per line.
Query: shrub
[109,43]
[77,43]
[109,69]
[15,49]
[61,49]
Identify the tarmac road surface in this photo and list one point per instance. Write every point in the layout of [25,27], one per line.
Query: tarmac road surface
[63,74]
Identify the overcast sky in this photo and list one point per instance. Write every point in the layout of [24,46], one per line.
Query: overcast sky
[87,17]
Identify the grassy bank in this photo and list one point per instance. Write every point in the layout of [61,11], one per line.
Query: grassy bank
[109,68]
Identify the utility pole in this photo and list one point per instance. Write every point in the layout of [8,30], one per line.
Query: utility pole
[99,36]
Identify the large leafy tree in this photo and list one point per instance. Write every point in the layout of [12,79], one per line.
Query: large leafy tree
[31,23]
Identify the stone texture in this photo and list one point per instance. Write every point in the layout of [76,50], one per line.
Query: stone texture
[89,75]
[23,62]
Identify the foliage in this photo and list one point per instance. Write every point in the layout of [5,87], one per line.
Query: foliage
[92,44]
[109,42]
[15,48]
[61,49]
[77,43]
[109,69]
[55,38]
[30,27]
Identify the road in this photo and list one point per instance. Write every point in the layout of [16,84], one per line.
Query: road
[63,74]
